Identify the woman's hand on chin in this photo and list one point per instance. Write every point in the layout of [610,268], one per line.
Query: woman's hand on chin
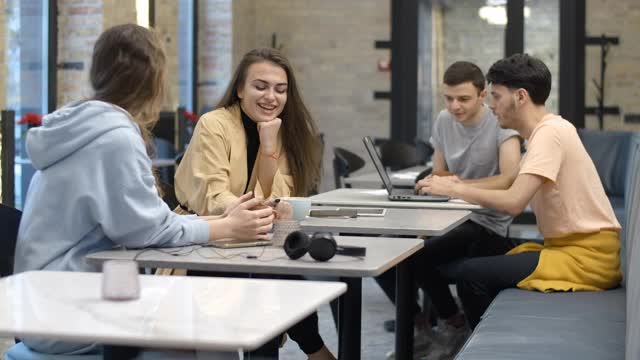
[268,131]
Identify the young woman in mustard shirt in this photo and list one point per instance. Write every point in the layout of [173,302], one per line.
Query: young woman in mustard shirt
[260,138]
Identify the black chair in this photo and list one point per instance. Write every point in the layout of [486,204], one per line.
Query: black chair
[184,129]
[179,157]
[377,141]
[165,127]
[424,150]
[9,223]
[165,133]
[7,155]
[344,163]
[398,155]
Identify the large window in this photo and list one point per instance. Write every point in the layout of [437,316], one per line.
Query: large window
[449,32]
[474,30]
[542,40]
[26,86]
[214,51]
[186,60]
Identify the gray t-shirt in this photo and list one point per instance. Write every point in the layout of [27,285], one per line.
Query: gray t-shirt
[472,152]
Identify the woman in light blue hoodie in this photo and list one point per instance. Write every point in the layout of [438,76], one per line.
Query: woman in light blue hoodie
[94,187]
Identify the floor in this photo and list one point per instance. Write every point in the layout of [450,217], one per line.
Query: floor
[4,345]
[376,342]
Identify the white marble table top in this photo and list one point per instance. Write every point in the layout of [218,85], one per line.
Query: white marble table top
[382,254]
[202,313]
[412,222]
[379,198]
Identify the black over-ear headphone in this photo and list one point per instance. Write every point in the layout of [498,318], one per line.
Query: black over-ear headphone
[321,246]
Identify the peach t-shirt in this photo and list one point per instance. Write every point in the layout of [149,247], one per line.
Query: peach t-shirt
[572,199]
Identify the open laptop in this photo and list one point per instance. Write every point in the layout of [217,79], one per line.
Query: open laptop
[396,194]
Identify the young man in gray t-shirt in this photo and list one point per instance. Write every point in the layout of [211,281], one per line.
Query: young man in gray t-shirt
[470,147]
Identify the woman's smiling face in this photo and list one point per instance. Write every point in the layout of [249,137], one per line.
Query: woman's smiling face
[264,92]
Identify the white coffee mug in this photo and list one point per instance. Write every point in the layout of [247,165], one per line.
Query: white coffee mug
[300,206]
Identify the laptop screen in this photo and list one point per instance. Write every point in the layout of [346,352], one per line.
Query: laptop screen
[371,149]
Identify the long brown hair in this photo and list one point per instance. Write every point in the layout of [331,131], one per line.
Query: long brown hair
[300,137]
[128,70]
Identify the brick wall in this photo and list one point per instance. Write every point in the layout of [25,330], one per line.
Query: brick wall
[115,12]
[331,47]
[79,24]
[244,28]
[619,18]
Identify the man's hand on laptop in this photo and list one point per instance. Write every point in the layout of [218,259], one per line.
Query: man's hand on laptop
[453,178]
[422,183]
[437,185]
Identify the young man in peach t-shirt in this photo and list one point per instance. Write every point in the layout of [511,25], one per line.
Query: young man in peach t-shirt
[558,178]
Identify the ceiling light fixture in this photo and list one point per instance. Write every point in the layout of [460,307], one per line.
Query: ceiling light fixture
[495,12]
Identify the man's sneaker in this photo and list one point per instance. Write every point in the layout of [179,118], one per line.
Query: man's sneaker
[422,341]
[448,341]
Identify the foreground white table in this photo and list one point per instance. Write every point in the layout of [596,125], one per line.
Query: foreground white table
[378,198]
[382,254]
[411,222]
[404,178]
[176,312]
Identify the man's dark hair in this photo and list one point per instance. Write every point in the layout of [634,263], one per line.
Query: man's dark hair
[522,71]
[463,71]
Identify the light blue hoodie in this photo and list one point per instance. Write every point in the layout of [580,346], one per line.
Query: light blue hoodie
[93,190]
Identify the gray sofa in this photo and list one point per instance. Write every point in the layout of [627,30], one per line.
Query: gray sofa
[581,325]
[610,151]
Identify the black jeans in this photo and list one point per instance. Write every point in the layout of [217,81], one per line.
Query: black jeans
[432,266]
[482,278]
[305,333]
